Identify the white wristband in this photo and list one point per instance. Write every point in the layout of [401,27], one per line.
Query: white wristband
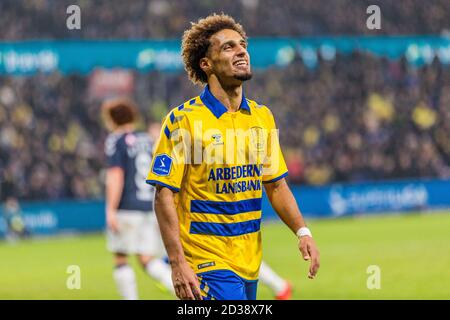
[304,231]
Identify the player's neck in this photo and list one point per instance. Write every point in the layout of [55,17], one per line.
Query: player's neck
[125,128]
[229,96]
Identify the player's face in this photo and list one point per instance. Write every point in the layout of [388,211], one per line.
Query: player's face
[229,57]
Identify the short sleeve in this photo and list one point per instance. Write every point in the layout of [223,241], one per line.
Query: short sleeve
[115,152]
[274,165]
[168,163]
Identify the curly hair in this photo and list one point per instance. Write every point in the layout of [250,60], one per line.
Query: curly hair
[120,111]
[196,42]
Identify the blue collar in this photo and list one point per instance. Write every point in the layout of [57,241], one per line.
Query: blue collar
[216,107]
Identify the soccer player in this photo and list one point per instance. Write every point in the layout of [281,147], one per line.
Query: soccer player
[15,223]
[214,154]
[281,288]
[131,221]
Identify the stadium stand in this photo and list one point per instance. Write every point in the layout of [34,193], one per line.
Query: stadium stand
[45,19]
[341,120]
[381,120]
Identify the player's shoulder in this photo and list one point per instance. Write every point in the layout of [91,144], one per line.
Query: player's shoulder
[184,110]
[140,134]
[112,142]
[259,108]
[136,135]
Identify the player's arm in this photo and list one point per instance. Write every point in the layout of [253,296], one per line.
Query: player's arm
[114,179]
[166,174]
[183,277]
[114,186]
[283,202]
[282,199]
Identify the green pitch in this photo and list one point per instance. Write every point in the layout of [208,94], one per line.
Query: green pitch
[412,252]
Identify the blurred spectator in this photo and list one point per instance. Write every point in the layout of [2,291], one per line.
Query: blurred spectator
[355,118]
[14,221]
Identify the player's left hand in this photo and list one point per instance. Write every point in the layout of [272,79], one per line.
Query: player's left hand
[111,220]
[310,252]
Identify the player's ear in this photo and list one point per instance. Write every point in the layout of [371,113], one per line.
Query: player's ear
[205,64]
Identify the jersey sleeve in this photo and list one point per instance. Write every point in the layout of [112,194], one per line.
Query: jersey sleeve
[168,163]
[274,165]
[115,152]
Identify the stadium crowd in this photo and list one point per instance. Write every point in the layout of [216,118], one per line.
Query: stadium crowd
[353,118]
[112,19]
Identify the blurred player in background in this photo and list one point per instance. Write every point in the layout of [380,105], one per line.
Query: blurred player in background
[12,214]
[131,221]
[281,288]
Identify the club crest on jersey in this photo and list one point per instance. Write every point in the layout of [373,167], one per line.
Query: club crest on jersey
[258,137]
[162,165]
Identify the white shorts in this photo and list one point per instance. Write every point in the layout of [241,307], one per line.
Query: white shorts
[138,234]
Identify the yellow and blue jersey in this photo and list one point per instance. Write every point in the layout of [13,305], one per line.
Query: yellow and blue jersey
[217,162]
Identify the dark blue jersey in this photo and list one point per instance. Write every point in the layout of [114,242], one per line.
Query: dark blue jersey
[132,152]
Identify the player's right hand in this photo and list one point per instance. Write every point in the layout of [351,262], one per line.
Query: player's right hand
[111,221]
[185,282]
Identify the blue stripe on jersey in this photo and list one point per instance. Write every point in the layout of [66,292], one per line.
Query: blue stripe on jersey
[226,207]
[172,117]
[167,132]
[277,178]
[181,106]
[225,229]
[192,102]
[155,182]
